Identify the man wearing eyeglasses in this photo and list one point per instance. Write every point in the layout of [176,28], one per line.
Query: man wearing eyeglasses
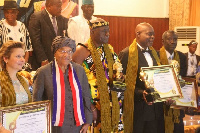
[192,59]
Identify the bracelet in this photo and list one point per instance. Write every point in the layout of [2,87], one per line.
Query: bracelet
[94,109]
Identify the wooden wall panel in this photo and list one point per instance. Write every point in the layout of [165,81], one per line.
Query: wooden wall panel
[122,30]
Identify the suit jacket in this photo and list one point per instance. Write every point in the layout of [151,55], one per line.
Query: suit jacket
[42,34]
[43,90]
[183,66]
[183,71]
[197,57]
[142,111]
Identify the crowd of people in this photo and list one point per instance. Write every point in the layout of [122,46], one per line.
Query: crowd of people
[74,70]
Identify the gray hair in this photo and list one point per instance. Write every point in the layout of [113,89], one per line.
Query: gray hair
[168,32]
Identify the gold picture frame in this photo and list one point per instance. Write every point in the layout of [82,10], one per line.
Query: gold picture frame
[163,80]
[26,118]
[190,94]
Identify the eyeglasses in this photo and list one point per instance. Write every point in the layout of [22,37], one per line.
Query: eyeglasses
[70,52]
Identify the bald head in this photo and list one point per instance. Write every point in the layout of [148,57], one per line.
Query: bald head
[144,34]
[142,26]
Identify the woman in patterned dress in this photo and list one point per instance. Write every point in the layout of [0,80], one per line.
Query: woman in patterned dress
[11,29]
[14,89]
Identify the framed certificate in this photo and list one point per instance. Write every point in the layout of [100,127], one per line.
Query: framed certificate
[190,94]
[164,81]
[27,118]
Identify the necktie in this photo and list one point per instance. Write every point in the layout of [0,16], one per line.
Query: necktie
[192,60]
[170,59]
[193,65]
[55,25]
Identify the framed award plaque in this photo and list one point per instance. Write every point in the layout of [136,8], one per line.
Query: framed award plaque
[190,94]
[27,118]
[163,80]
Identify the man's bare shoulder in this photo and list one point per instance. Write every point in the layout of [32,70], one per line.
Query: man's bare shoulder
[83,49]
[80,54]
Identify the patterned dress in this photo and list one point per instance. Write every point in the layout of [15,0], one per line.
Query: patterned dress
[89,67]
[21,95]
[17,33]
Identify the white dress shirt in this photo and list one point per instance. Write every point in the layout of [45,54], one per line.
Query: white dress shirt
[78,29]
[192,64]
[170,57]
[51,18]
[147,56]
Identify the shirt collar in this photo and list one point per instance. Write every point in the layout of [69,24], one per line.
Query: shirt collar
[50,16]
[142,47]
[189,54]
[169,55]
[92,17]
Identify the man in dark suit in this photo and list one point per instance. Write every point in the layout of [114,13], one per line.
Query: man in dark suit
[193,59]
[168,53]
[148,116]
[44,26]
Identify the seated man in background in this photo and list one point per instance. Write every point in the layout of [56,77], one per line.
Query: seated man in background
[97,57]
[167,54]
[192,59]
[11,29]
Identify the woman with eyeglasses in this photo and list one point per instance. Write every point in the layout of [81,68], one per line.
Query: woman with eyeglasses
[65,84]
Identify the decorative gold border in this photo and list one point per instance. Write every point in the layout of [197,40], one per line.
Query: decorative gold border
[165,67]
[191,80]
[33,105]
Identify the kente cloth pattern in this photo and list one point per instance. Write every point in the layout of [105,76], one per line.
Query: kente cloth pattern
[59,96]
[90,70]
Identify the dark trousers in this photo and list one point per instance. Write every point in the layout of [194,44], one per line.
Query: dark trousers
[155,126]
[179,127]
